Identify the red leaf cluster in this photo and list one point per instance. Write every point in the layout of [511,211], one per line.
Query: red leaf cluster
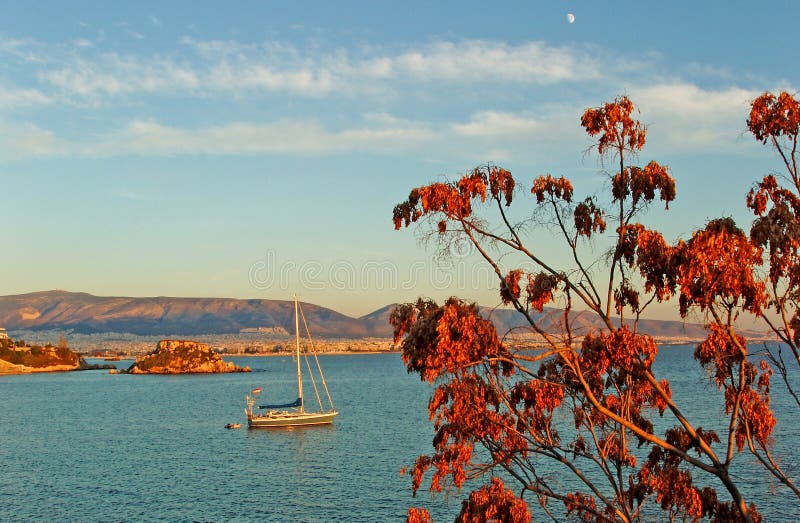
[620,349]
[454,340]
[613,122]
[718,266]
[614,365]
[473,185]
[464,337]
[510,289]
[628,242]
[659,263]
[445,198]
[454,200]
[493,503]
[444,339]
[719,353]
[757,419]
[501,182]
[746,387]
[407,212]
[641,184]
[778,228]
[450,462]
[589,218]
[673,485]
[539,400]
[403,317]
[554,188]
[418,515]
[466,410]
[541,289]
[625,295]
[774,116]
[582,505]
[674,490]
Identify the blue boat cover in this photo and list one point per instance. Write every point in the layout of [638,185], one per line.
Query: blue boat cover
[295,403]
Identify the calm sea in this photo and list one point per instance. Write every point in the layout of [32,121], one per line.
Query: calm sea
[89,446]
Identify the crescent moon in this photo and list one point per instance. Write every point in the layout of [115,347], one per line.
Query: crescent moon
[570,17]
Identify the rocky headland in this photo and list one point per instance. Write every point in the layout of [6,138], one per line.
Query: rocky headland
[182,357]
[17,357]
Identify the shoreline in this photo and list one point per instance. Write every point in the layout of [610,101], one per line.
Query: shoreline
[326,353]
[11,369]
[261,355]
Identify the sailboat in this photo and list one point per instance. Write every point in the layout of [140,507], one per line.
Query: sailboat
[294,413]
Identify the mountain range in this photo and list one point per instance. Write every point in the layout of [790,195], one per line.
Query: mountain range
[84,313]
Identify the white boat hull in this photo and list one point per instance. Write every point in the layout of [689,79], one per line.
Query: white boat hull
[290,419]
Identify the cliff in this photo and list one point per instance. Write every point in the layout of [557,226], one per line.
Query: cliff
[182,357]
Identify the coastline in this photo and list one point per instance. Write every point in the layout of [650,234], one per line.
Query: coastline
[326,353]
[11,369]
[7,368]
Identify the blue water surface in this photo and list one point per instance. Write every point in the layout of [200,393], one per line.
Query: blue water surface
[90,446]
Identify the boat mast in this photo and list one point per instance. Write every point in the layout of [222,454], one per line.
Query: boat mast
[297,354]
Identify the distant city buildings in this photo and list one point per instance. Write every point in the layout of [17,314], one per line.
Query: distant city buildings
[263,330]
[3,334]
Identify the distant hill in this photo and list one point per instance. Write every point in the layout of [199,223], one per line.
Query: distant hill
[86,314]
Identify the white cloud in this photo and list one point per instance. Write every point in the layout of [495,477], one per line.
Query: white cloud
[214,49]
[23,141]
[381,134]
[112,74]
[492,123]
[477,76]
[690,100]
[24,50]
[13,98]
[219,66]
[683,116]
[486,61]
[280,137]
[237,77]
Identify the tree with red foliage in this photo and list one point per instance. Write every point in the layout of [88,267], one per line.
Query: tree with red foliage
[586,402]
[775,120]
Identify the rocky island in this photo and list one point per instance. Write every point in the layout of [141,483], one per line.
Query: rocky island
[182,357]
[17,357]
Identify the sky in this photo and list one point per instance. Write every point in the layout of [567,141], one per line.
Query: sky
[256,149]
